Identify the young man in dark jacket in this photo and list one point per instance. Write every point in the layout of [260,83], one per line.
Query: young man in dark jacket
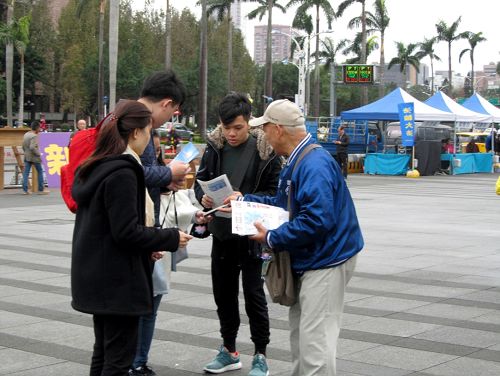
[232,147]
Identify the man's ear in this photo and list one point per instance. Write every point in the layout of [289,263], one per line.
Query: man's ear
[166,102]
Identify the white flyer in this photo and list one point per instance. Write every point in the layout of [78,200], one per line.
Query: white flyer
[245,214]
[218,190]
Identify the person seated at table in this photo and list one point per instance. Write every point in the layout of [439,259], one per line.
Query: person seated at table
[447,147]
[472,147]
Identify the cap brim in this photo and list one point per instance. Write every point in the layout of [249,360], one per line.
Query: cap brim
[256,122]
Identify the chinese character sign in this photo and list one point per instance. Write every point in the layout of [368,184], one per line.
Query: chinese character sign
[407,122]
[55,154]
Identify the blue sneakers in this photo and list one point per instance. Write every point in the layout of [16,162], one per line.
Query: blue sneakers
[223,362]
[259,366]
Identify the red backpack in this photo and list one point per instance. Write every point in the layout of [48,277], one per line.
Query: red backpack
[81,147]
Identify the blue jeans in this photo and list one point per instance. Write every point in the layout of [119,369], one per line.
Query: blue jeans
[26,174]
[145,337]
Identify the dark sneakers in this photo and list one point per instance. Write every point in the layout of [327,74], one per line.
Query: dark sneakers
[144,370]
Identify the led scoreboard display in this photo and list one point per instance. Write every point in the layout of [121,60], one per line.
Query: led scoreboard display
[358,74]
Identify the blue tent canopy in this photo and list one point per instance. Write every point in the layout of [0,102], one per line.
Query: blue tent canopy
[386,108]
[477,103]
[444,103]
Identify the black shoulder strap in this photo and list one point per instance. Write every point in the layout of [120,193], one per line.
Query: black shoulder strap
[243,163]
[304,152]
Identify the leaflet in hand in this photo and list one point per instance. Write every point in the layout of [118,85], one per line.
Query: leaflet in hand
[187,153]
[218,190]
[245,214]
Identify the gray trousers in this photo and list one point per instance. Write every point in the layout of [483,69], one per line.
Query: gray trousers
[316,318]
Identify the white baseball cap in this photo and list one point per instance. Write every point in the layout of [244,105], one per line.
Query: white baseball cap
[282,112]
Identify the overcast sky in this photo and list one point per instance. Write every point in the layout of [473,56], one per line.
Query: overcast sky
[411,22]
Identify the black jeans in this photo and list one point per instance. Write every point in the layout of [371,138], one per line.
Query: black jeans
[342,158]
[229,257]
[115,344]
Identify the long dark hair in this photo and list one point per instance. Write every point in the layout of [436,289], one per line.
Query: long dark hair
[113,136]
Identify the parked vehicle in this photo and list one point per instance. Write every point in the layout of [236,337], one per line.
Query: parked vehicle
[364,136]
[424,132]
[182,132]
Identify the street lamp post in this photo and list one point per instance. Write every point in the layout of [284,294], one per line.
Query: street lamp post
[302,65]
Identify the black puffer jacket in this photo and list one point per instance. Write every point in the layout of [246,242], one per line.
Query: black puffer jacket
[111,258]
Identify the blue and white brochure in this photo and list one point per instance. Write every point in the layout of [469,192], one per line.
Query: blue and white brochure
[187,153]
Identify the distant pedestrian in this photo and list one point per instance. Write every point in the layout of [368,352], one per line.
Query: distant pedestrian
[32,157]
[472,147]
[114,241]
[80,126]
[342,143]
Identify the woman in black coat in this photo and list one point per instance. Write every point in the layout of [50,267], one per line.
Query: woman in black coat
[113,247]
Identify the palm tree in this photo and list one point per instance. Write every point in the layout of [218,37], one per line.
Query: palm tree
[405,57]
[379,21]
[473,39]
[17,34]
[355,48]
[304,6]
[267,6]
[449,34]
[361,20]
[329,53]
[114,16]
[427,49]
[9,63]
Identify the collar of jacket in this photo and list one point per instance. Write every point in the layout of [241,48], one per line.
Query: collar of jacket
[216,137]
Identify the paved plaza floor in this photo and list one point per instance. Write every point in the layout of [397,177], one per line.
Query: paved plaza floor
[425,298]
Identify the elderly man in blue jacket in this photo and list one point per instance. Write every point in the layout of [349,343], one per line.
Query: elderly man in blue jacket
[323,237]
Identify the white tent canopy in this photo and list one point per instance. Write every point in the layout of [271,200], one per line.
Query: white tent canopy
[443,102]
[479,104]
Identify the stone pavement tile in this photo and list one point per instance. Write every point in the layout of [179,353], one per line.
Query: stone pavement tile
[461,336]
[464,269]
[63,281]
[349,346]
[399,358]
[449,311]
[480,280]
[380,284]
[465,367]
[488,318]
[15,360]
[9,291]
[440,291]
[353,296]
[34,275]
[38,299]
[59,369]
[351,318]
[53,331]
[187,324]
[390,304]
[434,346]
[426,275]
[398,328]
[365,369]
[370,267]
[11,320]
[484,296]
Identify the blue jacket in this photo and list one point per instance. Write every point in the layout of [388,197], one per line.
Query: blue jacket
[324,229]
[155,176]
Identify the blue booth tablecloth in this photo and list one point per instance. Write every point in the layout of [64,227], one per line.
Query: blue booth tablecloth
[469,163]
[386,164]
